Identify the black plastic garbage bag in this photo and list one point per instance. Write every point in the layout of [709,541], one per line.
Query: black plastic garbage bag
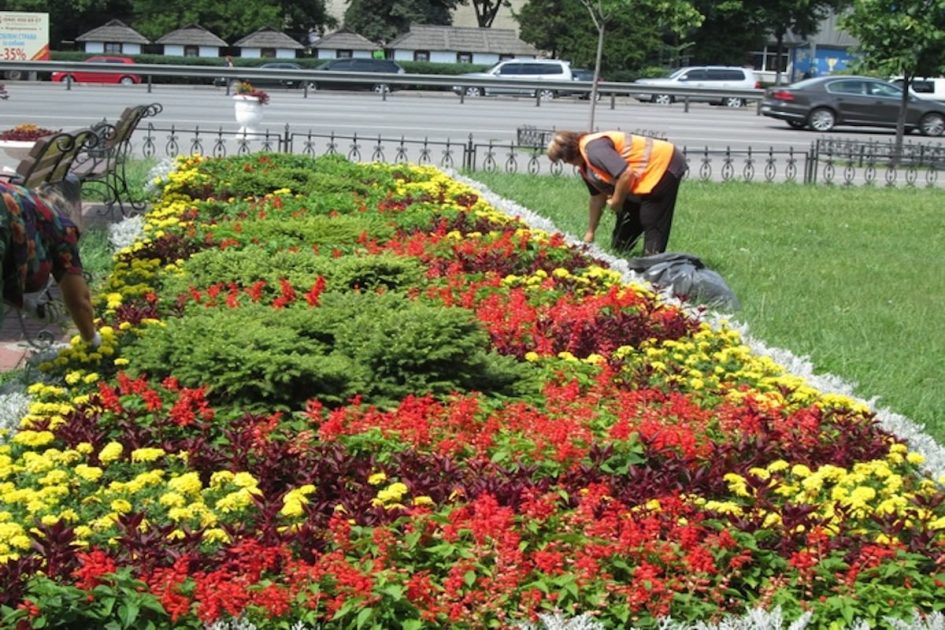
[688,277]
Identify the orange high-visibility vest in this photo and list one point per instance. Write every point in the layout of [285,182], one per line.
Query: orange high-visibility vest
[647,158]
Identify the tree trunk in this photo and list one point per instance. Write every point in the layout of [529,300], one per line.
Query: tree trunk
[600,53]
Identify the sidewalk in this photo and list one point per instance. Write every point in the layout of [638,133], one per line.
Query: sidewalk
[14,345]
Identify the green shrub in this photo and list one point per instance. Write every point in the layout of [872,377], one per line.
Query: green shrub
[301,268]
[382,347]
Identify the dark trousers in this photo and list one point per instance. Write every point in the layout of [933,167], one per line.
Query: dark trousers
[650,215]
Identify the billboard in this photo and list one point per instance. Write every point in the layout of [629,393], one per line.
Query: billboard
[24,36]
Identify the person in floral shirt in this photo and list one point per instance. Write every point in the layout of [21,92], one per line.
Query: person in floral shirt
[37,240]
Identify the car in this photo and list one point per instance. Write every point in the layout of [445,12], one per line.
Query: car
[716,77]
[583,74]
[123,75]
[358,64]
[277,81]
[823,103]
[926,87]
[518,70]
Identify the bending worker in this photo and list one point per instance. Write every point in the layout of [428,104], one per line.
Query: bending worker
[635,176]
[36,240]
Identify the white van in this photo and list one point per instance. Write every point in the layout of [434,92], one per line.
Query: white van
[519,70]
[926,87]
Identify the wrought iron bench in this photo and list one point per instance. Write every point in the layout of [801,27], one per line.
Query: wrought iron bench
[105,162]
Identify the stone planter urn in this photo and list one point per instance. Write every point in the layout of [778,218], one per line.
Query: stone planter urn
[248,111]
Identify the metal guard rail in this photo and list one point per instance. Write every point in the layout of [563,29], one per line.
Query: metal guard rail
[606,88]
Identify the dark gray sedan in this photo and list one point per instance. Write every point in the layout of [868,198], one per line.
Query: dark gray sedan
[823,103]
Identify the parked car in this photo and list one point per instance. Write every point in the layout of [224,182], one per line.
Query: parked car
[518,70]
[715,77]
[123,75]
[823,103]
[367,64]
[274,81]
[583,74]
[926,87]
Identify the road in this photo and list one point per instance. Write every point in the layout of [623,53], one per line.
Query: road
[413,115]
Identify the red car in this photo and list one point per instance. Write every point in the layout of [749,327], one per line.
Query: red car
[122,75]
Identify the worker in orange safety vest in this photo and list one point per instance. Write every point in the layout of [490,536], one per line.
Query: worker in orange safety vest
[637,177]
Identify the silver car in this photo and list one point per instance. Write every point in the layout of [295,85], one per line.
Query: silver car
[715,77]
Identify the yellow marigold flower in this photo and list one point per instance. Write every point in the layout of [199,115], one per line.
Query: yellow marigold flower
[915,458]
[85,448]
[760,473]
[88,473]
[90,378]
[172,500]
[146,454]
[245,480]
[110,452]
[531,357]
[120,506]
[215,534]
[737,484]
[861,495]
[82,531]
[777,466]
[235,501]
[392,493]
[53,478]
[186,484]
[377,479]
[422,500]
[73,377]
[33,438]
[800,470]
[567,356]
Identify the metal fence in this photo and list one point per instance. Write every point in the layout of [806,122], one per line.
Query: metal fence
[825,161]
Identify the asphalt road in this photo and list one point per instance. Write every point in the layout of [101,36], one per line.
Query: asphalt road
[414,115]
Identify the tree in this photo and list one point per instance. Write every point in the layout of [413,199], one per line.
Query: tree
[383,20]
[67,18]
[672,16]
[486,10]
[564,29]
[899,37]
[228,20]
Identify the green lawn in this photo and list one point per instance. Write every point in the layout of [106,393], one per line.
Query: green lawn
[853,278]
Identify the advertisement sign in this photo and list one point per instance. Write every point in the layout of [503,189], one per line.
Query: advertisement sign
[24,36]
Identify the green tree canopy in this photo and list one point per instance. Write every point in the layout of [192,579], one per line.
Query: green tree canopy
[633,36]
[899,37]
[383,20]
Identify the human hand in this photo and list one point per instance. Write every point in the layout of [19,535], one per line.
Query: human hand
[96,340]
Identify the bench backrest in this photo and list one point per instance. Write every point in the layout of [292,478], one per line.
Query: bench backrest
[52,157]
[114,140]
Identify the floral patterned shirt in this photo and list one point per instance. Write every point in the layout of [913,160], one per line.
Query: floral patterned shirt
[35,240]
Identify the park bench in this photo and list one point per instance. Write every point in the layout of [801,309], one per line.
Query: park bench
[104,163]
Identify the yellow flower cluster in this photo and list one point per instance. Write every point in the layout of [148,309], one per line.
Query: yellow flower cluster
[846,499]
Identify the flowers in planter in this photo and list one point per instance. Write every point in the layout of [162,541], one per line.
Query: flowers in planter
[26,132]
[245,88]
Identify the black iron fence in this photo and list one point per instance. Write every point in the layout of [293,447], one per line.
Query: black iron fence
[825,161]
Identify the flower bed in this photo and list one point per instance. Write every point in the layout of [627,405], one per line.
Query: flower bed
[359,395]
